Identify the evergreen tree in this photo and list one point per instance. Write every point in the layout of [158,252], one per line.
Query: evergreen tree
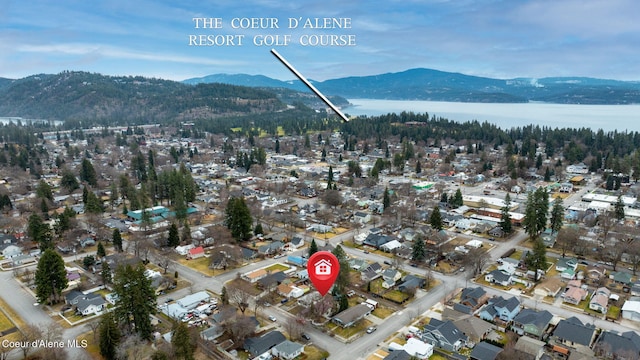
[105,273]
[39,232]
[44,208]
[69,181]
[444,198]
[51,277]
[418,167]
[136,299]
[117,240]
[418,252]
[238,219]
[505,217]
[43,190]
[313,247]
[386,200]
[277,146]
[258,229]
[457,199]
[436,219]
[619,209]
[109,336]
[224,297]
[536,211]
[343,280]
[343,303]
[88,173]
[557,215]
[100,250]
[183,346]
[537,259]
[330,178]
[547,174]
[174,238]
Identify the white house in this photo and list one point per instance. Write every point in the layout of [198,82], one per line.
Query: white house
[631,310]
[184,250]
[361,217]
[287,350]
[11,250]
[474,244]
[578,169]
[417,348]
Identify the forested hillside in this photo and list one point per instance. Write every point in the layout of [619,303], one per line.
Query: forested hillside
[127,100]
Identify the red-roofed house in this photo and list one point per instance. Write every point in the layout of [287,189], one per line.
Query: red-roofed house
[195,253]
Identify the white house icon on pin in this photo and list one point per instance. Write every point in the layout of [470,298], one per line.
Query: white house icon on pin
[323,267]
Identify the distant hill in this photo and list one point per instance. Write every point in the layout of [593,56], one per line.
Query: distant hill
[428,84]
[82,95]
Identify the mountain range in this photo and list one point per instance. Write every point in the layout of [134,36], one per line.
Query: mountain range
[428,84]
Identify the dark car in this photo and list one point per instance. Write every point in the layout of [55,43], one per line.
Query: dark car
[305,336]
[387,262]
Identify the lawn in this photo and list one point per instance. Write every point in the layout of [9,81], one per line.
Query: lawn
[276,267]
[613,313]
[350,331]
[17,320]
[349,244]
[396,296]
[383,312]
[444,267]
[516,255]
[5,323]
[311,352]
[437,356]
[201,265]
[93,347]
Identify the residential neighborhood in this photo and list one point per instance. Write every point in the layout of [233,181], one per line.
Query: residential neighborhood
[442,263]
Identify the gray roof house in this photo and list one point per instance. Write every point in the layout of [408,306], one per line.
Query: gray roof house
[352,315]
[257,346]
[411,282]
[376,240]
[91,304]
[504,309]
[444,334]
[529,349]
[574,334]
[531,322]
[485,351]
[618,346]
[476,329]
[473,297]
[287,350]
[498,277]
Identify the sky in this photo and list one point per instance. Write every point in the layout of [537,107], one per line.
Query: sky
[491,38]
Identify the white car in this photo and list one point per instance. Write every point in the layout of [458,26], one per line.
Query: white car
[272,318]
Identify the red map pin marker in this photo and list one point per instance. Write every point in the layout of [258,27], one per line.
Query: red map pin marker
[323,268]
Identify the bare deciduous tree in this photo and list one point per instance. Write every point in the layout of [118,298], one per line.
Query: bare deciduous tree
[567,239]
[240,297]
[476,259]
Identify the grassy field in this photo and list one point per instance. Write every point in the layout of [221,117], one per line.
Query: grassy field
[93,347]
[350,331]
[312,352]
[201,265]
[614,312]
[383,312]
[17,320]
[396,296]
[276,267]
[5,323]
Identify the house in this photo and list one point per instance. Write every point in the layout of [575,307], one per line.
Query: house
[195,253]
[87,241]
[531,322]
[444,334]
[475,329]
[574,293]
[473,297]
[274,278]
[73,297]
[10,250]
[485,351]
[391,246]
[418,349]
[498,277]
[411,282]
[297,242]
[611,345]
[566,263]
[287,350]
[398,354]
[635,289]
[595,274]
[549,238]
[352,315]
[296,260]
[529,349]
[621,277]
[631,309]
[392,275]
[600,300]
[376,240]
[574,334]
[91,304]
[361,217]
[272,248]
[498,307]
[255,275]
[549,287]
[184,250]
[257,346]
[193,300]
[212,333]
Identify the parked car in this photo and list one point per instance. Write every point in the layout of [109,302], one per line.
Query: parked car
[305,336]
[272,318]
[387,262]
[371,329]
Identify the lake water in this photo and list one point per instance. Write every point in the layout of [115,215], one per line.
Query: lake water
[606,117]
